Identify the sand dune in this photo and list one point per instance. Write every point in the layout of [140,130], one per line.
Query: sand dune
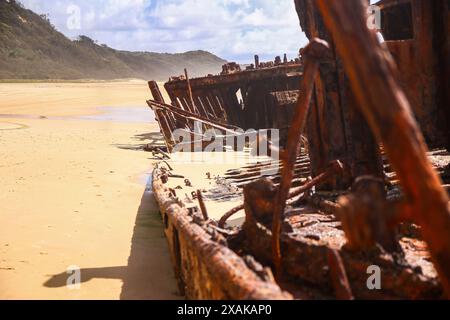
[72,193]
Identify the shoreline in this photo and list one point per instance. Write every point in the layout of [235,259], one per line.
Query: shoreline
[70,99]
[73,194]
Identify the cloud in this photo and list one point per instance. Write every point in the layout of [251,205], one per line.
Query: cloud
[233,29]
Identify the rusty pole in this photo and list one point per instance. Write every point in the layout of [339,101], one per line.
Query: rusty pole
[161,116]
[256,61]
[202,205]
[338,276]
[189,89]
[372,72]
[189,115]
[315,51]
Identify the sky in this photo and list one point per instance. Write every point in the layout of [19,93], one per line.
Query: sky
[235,30]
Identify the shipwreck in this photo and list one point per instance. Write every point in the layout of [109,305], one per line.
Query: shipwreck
[362,179]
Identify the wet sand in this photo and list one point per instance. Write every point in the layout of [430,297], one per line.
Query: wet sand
[73,193]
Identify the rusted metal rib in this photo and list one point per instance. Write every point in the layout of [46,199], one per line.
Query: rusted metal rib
[202,205]
[188,115]
[313,53]
[336,167]
[163,118]
[189,89]
[220,273]
[338,276]
[229,214]
[372,76]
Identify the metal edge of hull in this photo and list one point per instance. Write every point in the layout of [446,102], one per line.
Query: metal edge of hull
[206,269]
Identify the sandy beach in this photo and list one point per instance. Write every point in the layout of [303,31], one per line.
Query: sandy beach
[73,193]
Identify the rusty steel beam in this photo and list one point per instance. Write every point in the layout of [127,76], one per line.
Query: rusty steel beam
[191,116]
[205,268]
[306,259]
[210,104]
[335,167]
[161,116]
[201,107]
[339,276]
[154,88]
[372,73]
[202,205]
[239,77]
[215,101]
[298,168]
[189,88]
[313,53]
[229,214]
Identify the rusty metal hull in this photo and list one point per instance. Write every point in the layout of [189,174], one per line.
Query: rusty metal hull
[364,191]
[205,268]
[258,98]
[215,261]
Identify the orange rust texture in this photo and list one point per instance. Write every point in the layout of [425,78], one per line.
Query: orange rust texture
[316,51]
[373,79]
[417,35]
[336,128]
[305,259]
[217,98]
[165,120]
[205,268]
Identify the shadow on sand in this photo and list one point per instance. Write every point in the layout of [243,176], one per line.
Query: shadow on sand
[149,274]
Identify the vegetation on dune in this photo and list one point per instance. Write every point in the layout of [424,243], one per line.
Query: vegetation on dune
[31,48]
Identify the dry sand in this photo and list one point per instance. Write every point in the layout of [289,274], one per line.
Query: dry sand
[72,192]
